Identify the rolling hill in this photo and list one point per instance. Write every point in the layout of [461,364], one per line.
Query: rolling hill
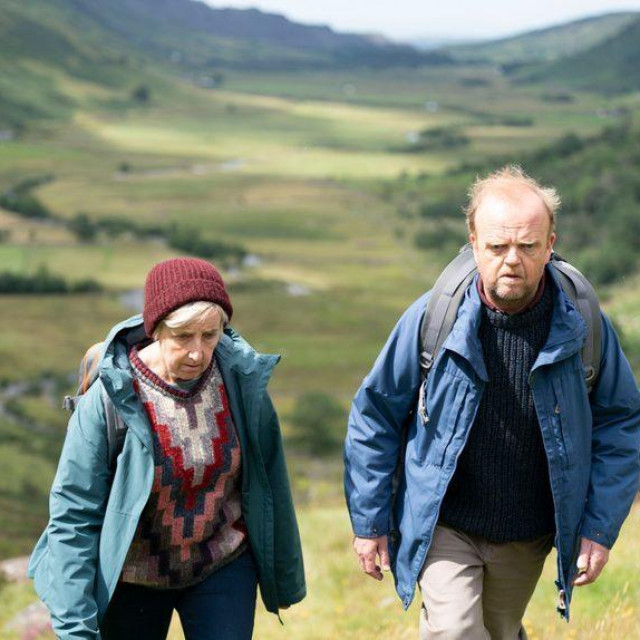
[612,66]
[120,44]
[189,33]
[545,45]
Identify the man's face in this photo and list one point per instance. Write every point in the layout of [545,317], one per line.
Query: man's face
[511,243]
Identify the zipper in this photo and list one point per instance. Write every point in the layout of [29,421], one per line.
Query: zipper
[423,548]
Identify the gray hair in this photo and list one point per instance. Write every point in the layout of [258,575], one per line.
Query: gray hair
[188,313]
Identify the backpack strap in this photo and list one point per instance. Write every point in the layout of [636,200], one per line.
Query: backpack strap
[88,370]
[442,307]
[116,426]
[116,429]
[447,293]
[88,367]
[583,295]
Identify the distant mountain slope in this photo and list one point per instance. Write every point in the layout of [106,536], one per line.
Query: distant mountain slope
[547,44]
[117,43]
[613,66]
[191,33]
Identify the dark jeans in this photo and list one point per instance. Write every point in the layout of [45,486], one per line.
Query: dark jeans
[222,607]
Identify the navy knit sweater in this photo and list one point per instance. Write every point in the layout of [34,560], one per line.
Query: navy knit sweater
[500,489]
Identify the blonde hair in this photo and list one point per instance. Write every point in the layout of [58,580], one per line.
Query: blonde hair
[500,180]
[189,313]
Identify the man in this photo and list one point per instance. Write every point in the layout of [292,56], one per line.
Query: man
[508,453]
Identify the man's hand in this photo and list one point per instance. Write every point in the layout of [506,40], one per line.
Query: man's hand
[369,550]
[591,561]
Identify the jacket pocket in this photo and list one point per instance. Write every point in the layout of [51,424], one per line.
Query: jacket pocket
[443,409]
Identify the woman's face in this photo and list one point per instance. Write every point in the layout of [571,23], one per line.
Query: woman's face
[186,352]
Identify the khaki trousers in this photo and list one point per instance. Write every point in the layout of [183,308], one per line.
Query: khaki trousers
[473,589]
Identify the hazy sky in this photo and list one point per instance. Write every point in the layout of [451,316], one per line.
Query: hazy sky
[417,18]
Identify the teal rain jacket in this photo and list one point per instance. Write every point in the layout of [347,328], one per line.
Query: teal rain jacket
[94,512]
[592,442]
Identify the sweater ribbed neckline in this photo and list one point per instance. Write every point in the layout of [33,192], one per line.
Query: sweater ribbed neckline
[143,373]
[522,320]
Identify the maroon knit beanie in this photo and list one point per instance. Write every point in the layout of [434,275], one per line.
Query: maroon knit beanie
[173,283]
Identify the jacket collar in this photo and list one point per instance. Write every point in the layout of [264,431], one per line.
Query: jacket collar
[245,372]
[234,353]
[566,334]
[116,376]
[568,330]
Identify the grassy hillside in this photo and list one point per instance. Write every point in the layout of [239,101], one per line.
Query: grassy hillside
[549,44]
[344,603]
[62,55]
[183,36]
[612,66]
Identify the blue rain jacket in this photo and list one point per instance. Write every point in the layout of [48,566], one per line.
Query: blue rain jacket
[94,512]
[592,442]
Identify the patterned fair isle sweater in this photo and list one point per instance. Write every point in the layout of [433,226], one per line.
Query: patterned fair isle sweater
[192,523]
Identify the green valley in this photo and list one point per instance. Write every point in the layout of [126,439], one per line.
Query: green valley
[329,193]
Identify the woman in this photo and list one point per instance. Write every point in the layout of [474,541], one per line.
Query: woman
[198,509]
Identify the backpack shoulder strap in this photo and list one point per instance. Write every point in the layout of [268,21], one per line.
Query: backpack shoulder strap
[446,297]
[87,375]
[116,428]
[442,307]
[583,295]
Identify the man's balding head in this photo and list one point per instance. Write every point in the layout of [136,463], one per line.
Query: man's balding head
[510,183]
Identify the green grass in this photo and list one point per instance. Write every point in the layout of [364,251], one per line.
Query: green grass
[48,334]
[548,44]
[24,487]
[344,603]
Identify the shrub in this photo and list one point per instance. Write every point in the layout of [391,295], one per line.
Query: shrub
[42,281]
[190,241]
[517,121]
[440,237]
[440,138]
[442,209]
[83,227]
[318,420]
[24,205]
[19,200]
[141,94]
[608,263]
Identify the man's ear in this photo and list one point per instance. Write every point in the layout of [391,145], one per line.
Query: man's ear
[472,242]
[550,242]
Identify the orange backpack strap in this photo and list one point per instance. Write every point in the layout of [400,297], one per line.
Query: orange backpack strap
[88,370]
